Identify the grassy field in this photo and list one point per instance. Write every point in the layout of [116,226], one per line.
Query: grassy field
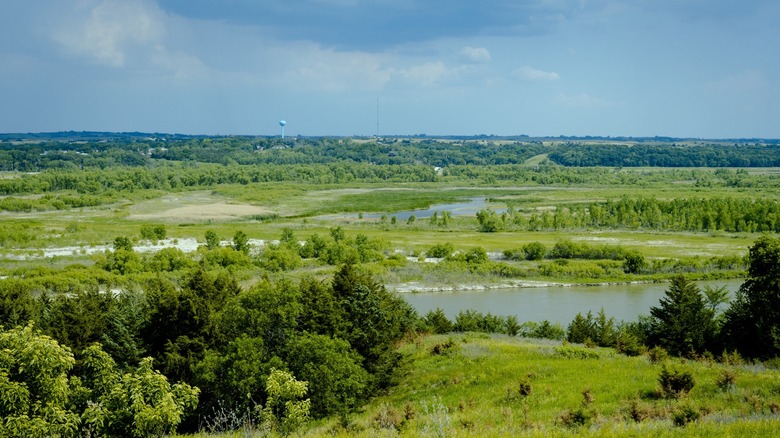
[479,385]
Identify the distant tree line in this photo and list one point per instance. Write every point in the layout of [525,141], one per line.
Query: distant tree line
[694,214]
[667,155]
[135,151]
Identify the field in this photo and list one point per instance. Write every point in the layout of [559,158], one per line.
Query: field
[478,385]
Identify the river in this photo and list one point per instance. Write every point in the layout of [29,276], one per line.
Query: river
[555,304]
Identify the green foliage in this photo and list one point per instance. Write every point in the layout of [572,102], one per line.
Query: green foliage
[599,330]
[337,382]
[373,321]
[752,322]
[489,221]
[441,250]
[542,330]
[675,383]
[40,398]
[169,260]
[534,251]
[280,257]
[153,232]
[225,257]
[633,263]
[685,414]
[473,321]
[284,412]
[437,322]
[212,241]
[682,324]
[142,403]
[572,352]
[123,260]
[34,382]
[241,242]
[17,305]
[267,310]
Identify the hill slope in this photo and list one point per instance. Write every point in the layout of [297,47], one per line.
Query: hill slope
[479,385]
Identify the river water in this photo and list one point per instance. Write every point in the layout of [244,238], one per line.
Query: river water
[554,303]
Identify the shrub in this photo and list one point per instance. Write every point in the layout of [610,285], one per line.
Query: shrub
[576,418]
[437,322]
[638,411]
[657,354]
[445,348]
[542,330]
[441,250]
[534,251]
[388,418]
[572,352]
[675,383]
[633,263]
[727,380]
[629,345]
[685,414]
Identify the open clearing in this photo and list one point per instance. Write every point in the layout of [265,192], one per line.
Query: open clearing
[193,207]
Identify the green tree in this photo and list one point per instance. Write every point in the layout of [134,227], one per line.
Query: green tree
[633,263]
[489,221]
[17,305]
[683,323]
[534,251]
[581,329]
[212,241]
[752,322]
[34,388]
[373,321]
[441,250]
[284,411]
[437,322]
[337,382]
[241,242]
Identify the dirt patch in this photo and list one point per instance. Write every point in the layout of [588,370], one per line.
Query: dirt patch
[204,212]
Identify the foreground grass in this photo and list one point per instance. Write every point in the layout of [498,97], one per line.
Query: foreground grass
[499,386]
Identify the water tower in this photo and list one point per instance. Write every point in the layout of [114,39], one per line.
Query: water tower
[282,123]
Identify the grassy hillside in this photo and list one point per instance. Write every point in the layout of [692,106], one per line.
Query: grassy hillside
[479,385]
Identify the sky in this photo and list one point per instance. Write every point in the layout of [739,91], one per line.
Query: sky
[679,68]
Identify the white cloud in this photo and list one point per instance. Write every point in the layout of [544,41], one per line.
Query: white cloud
[107,31]
[311,67]
[531,74]
[475,54]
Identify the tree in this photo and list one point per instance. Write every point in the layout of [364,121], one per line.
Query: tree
[633,263]
[437,322]
[241,242]
[34,385]
[534,251]
[43,394]
[336,380]
[752,322]
[683,323]
[284,412]
[489,221]
[212,241]
[582,328]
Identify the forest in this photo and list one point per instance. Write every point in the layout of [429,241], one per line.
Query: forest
[282,318]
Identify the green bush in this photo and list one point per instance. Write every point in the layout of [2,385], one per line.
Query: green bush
[441,250]
[675,383]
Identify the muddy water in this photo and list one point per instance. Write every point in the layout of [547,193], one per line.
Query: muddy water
[556,304]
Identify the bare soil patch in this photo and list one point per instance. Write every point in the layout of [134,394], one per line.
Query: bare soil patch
[202,212]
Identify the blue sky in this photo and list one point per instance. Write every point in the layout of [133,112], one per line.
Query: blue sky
[684,68]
